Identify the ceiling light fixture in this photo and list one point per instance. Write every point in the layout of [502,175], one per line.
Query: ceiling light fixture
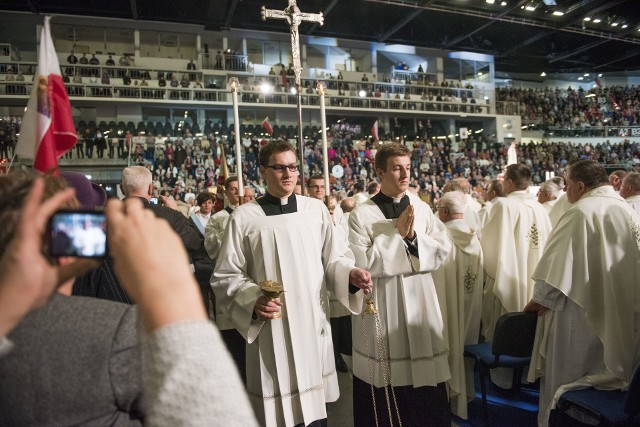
[614,24]
[558,13]
[543,74]
[580,78]
[587,18]
[597,20]
[586,74]
[624,26]
[491,1]
[504,3]
[530,7]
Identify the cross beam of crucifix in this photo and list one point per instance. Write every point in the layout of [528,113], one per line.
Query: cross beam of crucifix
[294,17]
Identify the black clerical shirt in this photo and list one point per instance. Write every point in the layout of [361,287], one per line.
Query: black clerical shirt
[272,205]
[391,210]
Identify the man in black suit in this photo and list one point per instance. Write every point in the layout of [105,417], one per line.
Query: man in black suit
[137,182]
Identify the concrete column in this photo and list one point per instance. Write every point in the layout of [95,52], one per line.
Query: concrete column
[198,58]
[136,44]
[374,62]
[303,56]
[225,43]
[440,69]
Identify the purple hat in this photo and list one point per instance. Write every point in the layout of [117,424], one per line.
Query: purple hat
[90,195]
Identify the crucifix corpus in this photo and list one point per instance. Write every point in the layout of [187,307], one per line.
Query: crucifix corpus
[294,18]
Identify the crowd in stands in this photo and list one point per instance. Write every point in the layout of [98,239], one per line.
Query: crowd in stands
[597,107]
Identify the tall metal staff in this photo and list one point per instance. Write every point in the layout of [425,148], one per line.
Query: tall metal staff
[320,88]
[234,84]
[294,18]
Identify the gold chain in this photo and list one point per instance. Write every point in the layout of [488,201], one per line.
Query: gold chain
[384,363]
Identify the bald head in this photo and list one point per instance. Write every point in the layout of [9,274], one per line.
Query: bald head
[347,204]
[136,182]
[630,185]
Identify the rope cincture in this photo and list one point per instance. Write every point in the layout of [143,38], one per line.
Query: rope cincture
[384,363]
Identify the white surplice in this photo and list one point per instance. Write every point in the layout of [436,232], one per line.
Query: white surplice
[404,293]
[558,209]
[459,285]
[213,234]
[483,214]
[634,201]
[588,277]
[512,242]
[548,205]
[290,363]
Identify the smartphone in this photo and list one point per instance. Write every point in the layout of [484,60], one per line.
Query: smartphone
[78,233]
[153,200]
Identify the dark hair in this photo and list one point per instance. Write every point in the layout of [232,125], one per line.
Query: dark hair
[314,177]
[590,173]
[358,186]
[14,188]
[272,147]
[372,187]
[520,175]
[387,151]
[202,198]
[229,181]
[497,186]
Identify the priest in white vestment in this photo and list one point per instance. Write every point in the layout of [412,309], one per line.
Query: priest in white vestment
[459,285]
[396,237]
[472,207]
[340,315]
[512,242]
[213,234]
[586,292]
[548,194]
[630,190]
[288,239]
[492,189]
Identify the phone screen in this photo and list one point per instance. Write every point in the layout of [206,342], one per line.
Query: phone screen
[153,200]
[79,234]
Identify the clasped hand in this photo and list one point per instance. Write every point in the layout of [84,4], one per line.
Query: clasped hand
[405,223]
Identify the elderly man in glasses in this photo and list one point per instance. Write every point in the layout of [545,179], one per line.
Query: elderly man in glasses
[290,240]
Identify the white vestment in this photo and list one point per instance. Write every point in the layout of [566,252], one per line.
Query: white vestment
[459,285]
[471,214]
[483,214]
[213,234]
[634,201]
[336,308]
[512,242]
[588,278]
[548,205]
[561,206]
[290,363]
[404,293]
[360,197]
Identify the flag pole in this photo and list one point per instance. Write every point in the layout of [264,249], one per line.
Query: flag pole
[11,162]
[321,88]
[234,84]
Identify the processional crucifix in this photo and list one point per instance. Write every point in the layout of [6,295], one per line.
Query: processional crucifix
[294,18]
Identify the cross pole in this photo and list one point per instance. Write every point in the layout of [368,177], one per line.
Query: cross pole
[294,18]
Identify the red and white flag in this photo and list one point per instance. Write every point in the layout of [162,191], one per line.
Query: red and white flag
[267,126]
[374,131]
[47,130]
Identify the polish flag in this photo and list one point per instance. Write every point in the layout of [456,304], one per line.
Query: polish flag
[47,130]
[267,126]
[374,131]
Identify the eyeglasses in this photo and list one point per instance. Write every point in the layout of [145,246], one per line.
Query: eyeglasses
[438,206]
[282,168]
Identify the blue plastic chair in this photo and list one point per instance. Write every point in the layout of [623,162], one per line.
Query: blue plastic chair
[602,407]
[511,348]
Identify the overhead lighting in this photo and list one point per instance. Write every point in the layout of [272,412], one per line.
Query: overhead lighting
[558,13]
[600,75]
[543,74]
[580,78]
[293,91]
[587,18]
[530,7]
[362,93]
[597,20]
[586,74]
[624,26]
[491,1]
[504,3]
[479,73]
[615,24]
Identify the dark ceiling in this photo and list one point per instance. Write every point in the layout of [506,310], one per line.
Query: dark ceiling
[523,41]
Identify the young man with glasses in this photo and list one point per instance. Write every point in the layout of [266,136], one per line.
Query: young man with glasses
[290,240]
